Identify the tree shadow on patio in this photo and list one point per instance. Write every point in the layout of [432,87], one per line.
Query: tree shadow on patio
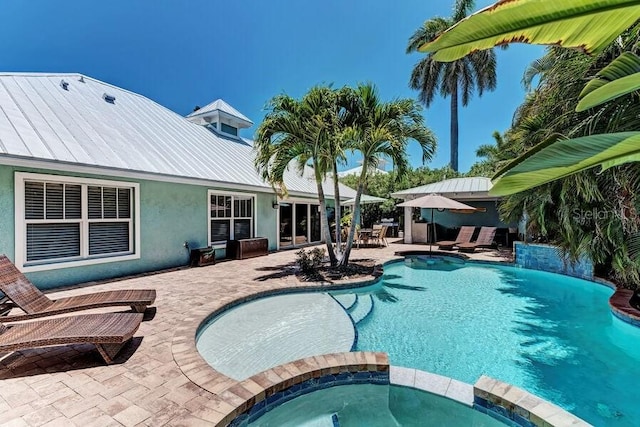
[358,269]
[278,271]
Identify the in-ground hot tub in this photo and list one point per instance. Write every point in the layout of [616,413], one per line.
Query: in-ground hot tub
[369,405]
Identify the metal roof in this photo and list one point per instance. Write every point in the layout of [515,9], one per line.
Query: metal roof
[93,124]
[220,105]
[457,188]
[358,170]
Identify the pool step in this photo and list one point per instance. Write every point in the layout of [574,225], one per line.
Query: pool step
[323,421]
[362,309]
[346,300]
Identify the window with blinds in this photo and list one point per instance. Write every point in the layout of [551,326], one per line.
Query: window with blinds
[72,221]
[109,211]
[231,217]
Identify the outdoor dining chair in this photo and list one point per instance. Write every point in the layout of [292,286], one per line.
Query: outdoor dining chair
[379,235]
[27,297]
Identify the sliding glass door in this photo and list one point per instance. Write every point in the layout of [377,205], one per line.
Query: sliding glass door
[299,224]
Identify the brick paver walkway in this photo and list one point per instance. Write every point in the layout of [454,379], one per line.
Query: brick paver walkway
[70,385]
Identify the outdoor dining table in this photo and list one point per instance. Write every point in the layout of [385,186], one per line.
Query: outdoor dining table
[364,235]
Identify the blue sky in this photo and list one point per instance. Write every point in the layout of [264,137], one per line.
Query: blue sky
[187,53]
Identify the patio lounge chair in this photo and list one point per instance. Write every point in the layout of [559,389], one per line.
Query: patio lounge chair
[24,295]
[485,239]
[109,332]
[464,236]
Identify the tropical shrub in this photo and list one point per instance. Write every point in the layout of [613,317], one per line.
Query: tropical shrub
[310,261]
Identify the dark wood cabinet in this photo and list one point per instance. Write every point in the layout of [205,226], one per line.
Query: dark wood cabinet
[202,256]
[247,248]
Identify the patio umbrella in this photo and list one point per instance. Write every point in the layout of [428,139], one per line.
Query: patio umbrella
[435,201]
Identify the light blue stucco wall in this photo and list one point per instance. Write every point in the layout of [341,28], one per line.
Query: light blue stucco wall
[7,224]
[454,220]
[170,214]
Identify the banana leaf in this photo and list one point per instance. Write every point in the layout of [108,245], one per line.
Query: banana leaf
[588,25]
[620,77]
[566,157]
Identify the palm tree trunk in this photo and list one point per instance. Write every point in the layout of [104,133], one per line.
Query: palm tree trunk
[324,219]
[454,128]
[337,214]
[356,216]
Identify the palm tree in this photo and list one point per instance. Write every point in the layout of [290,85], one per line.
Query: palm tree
[592,213]
[460,78]
[377,129]
[299,132]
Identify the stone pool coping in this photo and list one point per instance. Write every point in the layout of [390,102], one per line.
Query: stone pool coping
[505,402]
[515,406]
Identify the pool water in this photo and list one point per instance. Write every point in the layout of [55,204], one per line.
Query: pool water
[368,405]
[549,334]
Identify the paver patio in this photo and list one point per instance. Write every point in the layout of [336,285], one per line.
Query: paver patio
[72,386]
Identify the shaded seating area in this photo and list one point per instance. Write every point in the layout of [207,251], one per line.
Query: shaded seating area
[377,235]
[109,332]
[485,239]
[27,297]
[464,236]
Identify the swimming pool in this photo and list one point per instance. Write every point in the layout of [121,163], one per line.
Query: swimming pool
[550,334]
[352,406]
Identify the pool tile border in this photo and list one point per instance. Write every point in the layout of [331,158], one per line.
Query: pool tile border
[341,378]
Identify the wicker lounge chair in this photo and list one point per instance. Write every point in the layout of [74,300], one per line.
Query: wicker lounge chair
[485,239]
[464,236]
[24,295]
[109,332]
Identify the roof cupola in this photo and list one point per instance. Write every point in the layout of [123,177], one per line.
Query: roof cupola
[221,118]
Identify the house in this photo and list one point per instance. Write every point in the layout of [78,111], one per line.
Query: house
[98,182]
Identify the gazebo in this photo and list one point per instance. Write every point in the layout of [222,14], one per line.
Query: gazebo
[472,191]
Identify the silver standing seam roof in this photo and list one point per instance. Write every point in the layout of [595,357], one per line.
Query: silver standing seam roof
[63,120]
[358,170]
[472,188]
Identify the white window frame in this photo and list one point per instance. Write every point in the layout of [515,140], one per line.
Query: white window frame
[21,222]
[254,219]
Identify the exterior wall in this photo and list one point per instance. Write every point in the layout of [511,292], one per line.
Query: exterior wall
[267,218]
[170,214]
[7,209]
[478,219]
[547,258]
